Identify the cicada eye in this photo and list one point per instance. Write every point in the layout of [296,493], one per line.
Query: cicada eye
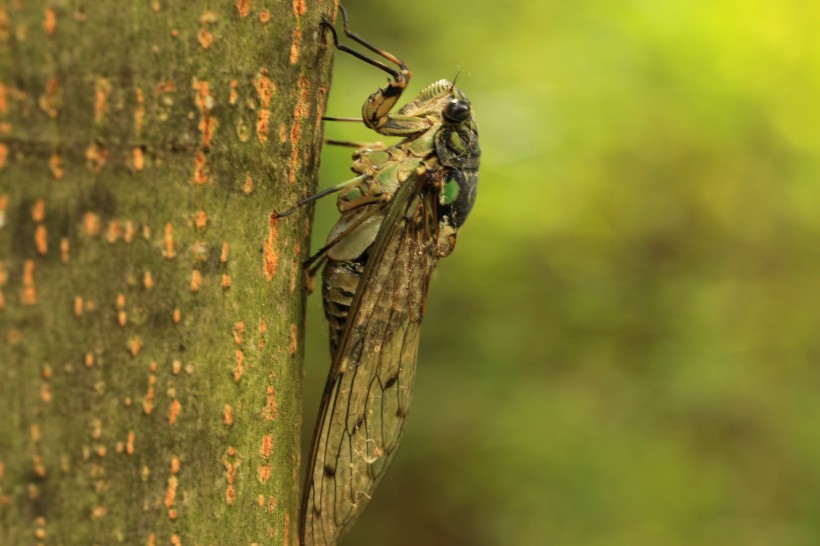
[456,111]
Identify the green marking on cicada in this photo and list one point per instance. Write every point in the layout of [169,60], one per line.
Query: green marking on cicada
[399,215]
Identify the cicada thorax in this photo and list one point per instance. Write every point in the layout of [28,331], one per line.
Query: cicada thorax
[446,155]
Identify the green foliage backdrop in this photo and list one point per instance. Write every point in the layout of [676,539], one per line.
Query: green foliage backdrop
[624,347]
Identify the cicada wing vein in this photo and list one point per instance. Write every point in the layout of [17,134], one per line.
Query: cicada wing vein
[367,395]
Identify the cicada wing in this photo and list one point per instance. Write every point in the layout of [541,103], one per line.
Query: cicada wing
[367,395]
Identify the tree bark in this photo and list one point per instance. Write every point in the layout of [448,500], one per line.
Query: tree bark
[151,311]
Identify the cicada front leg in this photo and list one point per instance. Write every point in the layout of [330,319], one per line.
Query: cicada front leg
[376,110]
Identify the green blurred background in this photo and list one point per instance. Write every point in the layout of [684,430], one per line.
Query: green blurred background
[625,347]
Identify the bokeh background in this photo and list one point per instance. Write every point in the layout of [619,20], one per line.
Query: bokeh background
[625,347]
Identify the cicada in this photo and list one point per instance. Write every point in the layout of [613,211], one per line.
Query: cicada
[399,215]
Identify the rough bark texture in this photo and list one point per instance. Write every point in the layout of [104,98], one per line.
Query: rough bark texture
[150,310]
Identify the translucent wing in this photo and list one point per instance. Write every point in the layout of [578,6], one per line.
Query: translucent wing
[367,394]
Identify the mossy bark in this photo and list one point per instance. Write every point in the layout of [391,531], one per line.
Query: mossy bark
[151,311]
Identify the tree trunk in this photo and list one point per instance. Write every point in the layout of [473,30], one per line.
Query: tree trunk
[150,310]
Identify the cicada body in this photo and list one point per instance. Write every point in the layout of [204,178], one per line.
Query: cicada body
[398,217]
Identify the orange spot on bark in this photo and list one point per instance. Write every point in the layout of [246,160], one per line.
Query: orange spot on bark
[264,17]
[226,280]
[37,464]
[78,306]
[102,89]
[113,232]
[50,21]
[155,6]
[230,494]
[207,18]
[137,159]
[266,447]
[201,219]
[129,443]
[205,103]
[29,293]
[176,366]
[239,367]
[129,232]
[233,94]
[248,187]
[205,38]
[271,409]
[201,168]
[89,360]
[283,133]
[49,101]
[4,103]
[227,415]
[148,280]
[265,89]
[243,7]
[299,114]
[196,280]
[148,401]
[41,240]
[91,224]
[299,7]
[177,316]
[96,429]
[269,246]
[263,327]
[55,165]
[263,473]
[96,156]
[4,154]
[176,463]
[166,86]
[171,491]
[45,393]
[64,248]
[38,210]
[168,240]
[134,345]
[238,331]
[294,46]
[99,512]
[262,125]
[176,409]
[36,433]
[139,111]
[223,255]
[294,334]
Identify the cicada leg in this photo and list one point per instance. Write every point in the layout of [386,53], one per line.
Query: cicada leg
[316,196]
[376,110]
[315,262]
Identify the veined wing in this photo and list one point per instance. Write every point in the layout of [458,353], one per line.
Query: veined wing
[367,395]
